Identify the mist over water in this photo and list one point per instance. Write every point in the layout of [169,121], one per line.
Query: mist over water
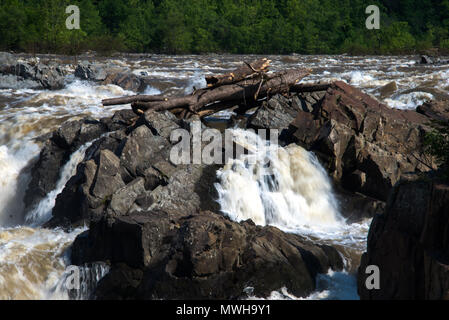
[297,197]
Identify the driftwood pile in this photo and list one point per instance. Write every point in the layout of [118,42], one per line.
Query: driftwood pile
[245,87]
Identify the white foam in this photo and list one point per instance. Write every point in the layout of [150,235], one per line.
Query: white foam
[331,286]
[295,194]
[42,212]
[13,181]
[409,101]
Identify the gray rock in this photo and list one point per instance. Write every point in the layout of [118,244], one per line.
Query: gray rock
[108,178]
[124,198]
[87,71]
[142,149]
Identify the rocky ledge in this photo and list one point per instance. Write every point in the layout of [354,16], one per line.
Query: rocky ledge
[158,225]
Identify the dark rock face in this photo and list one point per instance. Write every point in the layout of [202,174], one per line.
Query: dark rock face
[410,243]
[160,255]
[130,170]
[426,60]
[63,142]
[56,152]
[364,145]
[280,111]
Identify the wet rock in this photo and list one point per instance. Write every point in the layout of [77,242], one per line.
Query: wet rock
[363,144]
[57,150]
[6,60]
[200,256]
[409,243]
[108,178]
[388,89]
[436,110]
[87,71]
[161,123]
[280,111]
[277,113]
[127,81]
[123,199]
[9,81]
[141,149]
[45,173]
[426,60]
[15,74]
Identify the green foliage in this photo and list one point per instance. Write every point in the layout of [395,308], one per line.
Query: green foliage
[235,26]
[437,144]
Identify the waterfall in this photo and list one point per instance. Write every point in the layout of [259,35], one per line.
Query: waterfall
[284,187]
[42,212]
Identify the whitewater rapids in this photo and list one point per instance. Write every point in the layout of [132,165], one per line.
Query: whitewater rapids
[296,198]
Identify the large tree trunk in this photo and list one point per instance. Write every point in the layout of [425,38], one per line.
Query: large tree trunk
[244,87]
[251,89]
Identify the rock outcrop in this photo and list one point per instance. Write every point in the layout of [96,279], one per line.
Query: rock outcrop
[61,144]
[410,243]
[365,145]
[88,71]
[18,74]
[174,255]
[156,224]
[435,110]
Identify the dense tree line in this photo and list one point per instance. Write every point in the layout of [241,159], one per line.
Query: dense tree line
[234,26]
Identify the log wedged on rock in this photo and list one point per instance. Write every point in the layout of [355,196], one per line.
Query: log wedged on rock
[243,86]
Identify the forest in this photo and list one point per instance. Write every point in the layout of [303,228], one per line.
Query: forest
[224,26]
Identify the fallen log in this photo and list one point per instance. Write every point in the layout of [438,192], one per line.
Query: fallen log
[300,88]
[249,89]
[246,71]
[131,99]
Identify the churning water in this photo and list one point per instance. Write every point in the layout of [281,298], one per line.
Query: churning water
[296,196]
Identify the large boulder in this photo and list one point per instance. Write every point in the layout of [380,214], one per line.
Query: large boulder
[127,81]
[18,74]
[409,243]
[130,169]
[436,110]
[87,71]
[173,255]
[279,111]
[364,145]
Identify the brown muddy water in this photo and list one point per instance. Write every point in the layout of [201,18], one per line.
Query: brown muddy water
[33,259]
